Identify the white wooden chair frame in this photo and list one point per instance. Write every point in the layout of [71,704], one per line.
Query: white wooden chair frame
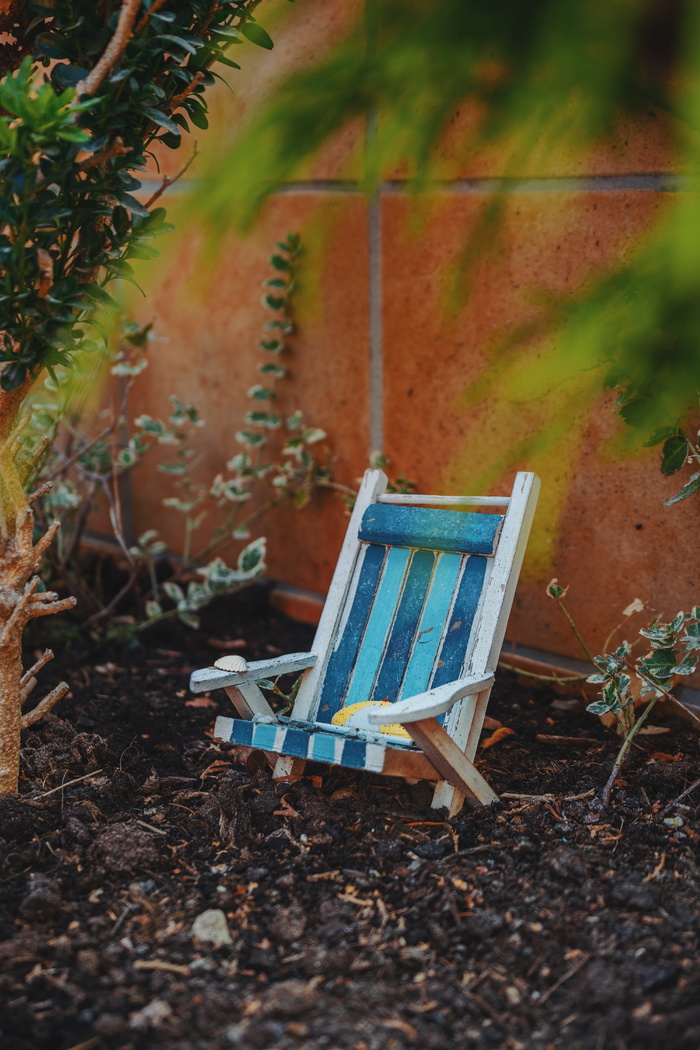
[443,753]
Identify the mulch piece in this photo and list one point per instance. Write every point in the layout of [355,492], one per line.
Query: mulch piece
[177,898]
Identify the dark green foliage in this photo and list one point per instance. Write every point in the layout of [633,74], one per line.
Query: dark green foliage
[70,220]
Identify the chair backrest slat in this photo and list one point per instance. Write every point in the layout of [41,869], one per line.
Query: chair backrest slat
[432,626]
[461,621]
[399,642]
[435,530]
[360,600]
[378,627]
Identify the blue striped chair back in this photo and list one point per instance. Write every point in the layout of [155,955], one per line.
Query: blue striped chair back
[411,606]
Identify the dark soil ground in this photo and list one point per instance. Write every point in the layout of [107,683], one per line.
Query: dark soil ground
[355,916]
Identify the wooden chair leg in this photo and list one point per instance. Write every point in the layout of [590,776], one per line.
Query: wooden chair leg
[288,766]
[448,797]
[477,725]
[450,761]
[248,701]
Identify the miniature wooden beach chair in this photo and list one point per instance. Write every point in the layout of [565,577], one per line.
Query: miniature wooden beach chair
[401,669]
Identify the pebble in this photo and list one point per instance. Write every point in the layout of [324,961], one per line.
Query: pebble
[211,927]
[151,1016]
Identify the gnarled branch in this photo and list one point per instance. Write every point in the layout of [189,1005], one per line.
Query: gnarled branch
[115,148]
[28,681]
[113,51]
[44,705]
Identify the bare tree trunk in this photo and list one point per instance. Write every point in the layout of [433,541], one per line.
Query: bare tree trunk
[10,717]
[20,597]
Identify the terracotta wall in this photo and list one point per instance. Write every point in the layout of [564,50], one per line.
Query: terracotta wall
[378,361]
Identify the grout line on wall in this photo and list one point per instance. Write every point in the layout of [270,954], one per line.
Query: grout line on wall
[375,332]
[556,184]
[374,319]
[655,183]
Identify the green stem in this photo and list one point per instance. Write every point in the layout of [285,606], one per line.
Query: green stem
[543,677]
[575,629]
[622,753]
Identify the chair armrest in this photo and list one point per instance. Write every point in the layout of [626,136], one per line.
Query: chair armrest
[213,678]
[430,704]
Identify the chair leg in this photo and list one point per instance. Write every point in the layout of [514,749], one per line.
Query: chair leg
[477,724]
[288,766]
[441,750]
[447,797]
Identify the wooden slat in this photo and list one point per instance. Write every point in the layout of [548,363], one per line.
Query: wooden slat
[373,485]
[378,627]
[454,646]
[432,625]
[409,499]
[499,593]
[435,530]
[452,763]
[344,655]
[248,700]
[214,678]
[464,722]
[403,630]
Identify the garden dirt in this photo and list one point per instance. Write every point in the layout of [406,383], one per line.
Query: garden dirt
[176,898]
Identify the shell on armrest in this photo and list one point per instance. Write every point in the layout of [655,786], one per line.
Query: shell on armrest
[216,678]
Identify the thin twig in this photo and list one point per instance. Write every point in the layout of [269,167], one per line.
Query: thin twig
[46,540]
[44,608]
[44,705]
[108,609]
[683,794]
[168,180]
[177,100]
[113,51]
[565,977]
[543,677]
[60,787]
[38,493]
[116,148]
[36,667]
[143,21]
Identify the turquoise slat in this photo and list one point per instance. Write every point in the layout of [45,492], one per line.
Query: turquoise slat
[381,618]
[436,530]
[403,630]
[264,737]
[431,626]
[343,658]
[308,742]
[454,647]
[323,747]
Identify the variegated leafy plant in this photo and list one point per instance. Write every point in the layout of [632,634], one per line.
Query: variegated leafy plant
[85,467]
[671,655]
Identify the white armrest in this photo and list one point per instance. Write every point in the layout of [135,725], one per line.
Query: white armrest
[430,704]
[213,678]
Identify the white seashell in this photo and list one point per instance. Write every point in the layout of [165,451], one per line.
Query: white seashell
[231,663]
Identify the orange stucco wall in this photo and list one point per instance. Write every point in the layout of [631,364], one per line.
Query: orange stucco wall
[378,358]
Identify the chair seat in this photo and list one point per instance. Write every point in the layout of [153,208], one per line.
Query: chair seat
[312,740]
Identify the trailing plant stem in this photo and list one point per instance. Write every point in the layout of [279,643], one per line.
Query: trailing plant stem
[622,753]
[575,629]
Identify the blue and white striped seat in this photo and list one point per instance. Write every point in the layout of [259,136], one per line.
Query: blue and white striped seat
[415,616]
